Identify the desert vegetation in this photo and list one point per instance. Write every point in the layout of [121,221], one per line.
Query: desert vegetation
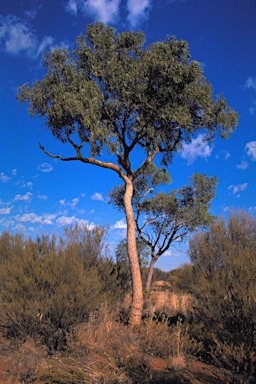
[64,308]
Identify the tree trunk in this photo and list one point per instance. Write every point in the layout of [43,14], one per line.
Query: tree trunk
[150,274]
[137,299]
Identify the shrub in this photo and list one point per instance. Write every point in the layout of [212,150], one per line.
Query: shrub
[46,289]
[224,263]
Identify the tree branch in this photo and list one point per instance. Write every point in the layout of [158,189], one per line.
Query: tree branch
[88,160]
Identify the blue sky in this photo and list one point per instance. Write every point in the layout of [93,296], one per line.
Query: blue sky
[41,195]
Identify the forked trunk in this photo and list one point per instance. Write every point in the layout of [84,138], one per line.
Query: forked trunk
[137,299]
[150,275]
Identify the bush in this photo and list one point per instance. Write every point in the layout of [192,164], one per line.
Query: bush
[224,265]
[46,289]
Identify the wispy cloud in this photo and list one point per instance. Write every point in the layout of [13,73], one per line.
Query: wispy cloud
[97,196]
[4,178]
[238,188]
[45,167]
[5,211]
[198,147]
[46,43]
[71,203]
[102,10]
[42,197]
[34,218]
[108,10]
[137,10]
[243,165]
[69,220]
[251,83]
[16,37]
[250,149]
[26,197]
[72,6]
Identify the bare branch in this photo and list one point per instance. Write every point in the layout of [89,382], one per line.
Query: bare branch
[88,160]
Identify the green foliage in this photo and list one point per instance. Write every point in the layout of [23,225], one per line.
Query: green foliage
[45,289]
[163,218]
[224,261]
[112,91]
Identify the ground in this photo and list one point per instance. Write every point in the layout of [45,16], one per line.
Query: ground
[14,369]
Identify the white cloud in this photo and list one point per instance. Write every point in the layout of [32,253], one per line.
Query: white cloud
[14,172]
[227,155]
[238,188]
[42,197]
[71,204]
[16,37]
[251,150]
[74,202]
[198,147]
[102,10]
[4,178]
[108,10]
[243,165]
[5,211]
[48,218]
[19,228]
[138,10]
[45,167]
[47,42]
[29,217]
[29,184]
[72,6]
[251,83]
[121,224]
[66,220]
[69,220]
[26,197]
[97,196]
[33,218]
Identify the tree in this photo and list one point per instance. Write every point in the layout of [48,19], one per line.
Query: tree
[224,272]
[164,218]
[114,94]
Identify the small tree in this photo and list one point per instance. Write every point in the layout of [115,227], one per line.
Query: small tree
[164,218]
[113,94]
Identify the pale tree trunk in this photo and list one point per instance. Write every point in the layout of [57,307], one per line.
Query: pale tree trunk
[150,274]
[137,299]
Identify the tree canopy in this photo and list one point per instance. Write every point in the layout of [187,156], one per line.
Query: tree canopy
[113,92]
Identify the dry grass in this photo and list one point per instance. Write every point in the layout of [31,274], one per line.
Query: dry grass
[172,302]
[104,350]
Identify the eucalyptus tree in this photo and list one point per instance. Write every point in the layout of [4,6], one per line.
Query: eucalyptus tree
[164,218]
[115,94]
